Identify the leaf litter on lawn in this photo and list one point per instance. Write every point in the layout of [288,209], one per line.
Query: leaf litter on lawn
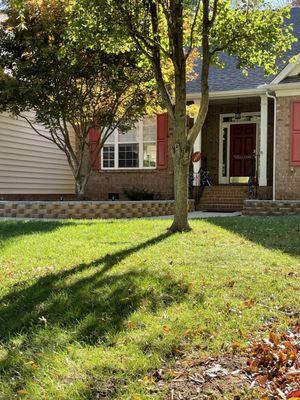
[269,369]
[274,364]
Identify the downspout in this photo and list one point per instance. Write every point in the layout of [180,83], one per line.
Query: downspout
[274,141]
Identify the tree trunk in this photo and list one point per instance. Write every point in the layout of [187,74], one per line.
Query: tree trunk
[181,154]
[80,184]
[181,169]
[181,159]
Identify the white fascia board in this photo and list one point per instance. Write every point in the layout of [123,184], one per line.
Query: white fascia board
[288,92]
[282,86]
[229,94]
[283,89]
[286,71]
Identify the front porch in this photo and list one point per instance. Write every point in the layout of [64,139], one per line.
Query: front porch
[236,143]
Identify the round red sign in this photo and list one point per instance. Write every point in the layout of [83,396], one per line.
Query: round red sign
[196,156]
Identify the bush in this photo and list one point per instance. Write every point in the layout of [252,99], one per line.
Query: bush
[138,194]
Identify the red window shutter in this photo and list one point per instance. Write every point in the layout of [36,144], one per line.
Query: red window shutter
[93,138]
[295,134]
[162,140]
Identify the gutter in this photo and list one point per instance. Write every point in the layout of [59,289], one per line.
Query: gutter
[273,96]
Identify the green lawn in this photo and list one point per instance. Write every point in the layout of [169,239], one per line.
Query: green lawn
[87,309]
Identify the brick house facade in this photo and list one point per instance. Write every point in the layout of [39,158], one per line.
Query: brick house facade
[287,169]
[104,182]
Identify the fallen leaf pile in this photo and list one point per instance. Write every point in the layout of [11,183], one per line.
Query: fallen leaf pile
[274,365]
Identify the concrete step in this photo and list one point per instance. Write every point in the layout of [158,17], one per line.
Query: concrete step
[232,203]
[218,195]
[221,198]
[212,191]
[219,207]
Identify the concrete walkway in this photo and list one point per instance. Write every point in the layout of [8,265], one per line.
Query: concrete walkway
[202,214]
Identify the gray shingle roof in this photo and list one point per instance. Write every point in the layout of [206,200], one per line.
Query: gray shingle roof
[232,78]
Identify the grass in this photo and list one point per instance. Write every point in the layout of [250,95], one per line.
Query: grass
[87,309]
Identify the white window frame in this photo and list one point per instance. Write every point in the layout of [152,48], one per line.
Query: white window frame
[140,142]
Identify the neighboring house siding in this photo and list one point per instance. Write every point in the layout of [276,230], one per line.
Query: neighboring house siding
[287,175]
[29,163]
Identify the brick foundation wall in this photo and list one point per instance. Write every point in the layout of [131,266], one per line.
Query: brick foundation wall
[158,182]
[260,207]
[87,209]
[287,178]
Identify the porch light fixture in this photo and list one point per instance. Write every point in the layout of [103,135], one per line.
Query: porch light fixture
[238,114]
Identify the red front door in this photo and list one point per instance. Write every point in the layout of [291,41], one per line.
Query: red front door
[242,149]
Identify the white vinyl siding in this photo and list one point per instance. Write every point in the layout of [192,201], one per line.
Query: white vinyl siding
[29,163]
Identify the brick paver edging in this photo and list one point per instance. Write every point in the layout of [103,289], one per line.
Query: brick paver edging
[269,207]
[87,209]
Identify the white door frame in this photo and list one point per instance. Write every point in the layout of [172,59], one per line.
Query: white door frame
[246,118]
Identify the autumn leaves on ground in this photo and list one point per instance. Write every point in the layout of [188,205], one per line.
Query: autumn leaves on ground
[125,310]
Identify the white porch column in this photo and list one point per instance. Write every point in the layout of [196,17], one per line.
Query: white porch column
[197,147]
[262,168]
[197,165]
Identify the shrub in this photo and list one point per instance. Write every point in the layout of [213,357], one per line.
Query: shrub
[138,194]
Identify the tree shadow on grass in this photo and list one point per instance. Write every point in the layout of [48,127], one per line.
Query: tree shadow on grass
[88,300]
[13,229]
[273,233]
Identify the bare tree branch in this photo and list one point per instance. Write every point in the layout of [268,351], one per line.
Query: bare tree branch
[206,58]
[215,9]
[39,132]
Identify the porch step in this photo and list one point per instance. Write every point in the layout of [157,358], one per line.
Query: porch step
[222,198]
